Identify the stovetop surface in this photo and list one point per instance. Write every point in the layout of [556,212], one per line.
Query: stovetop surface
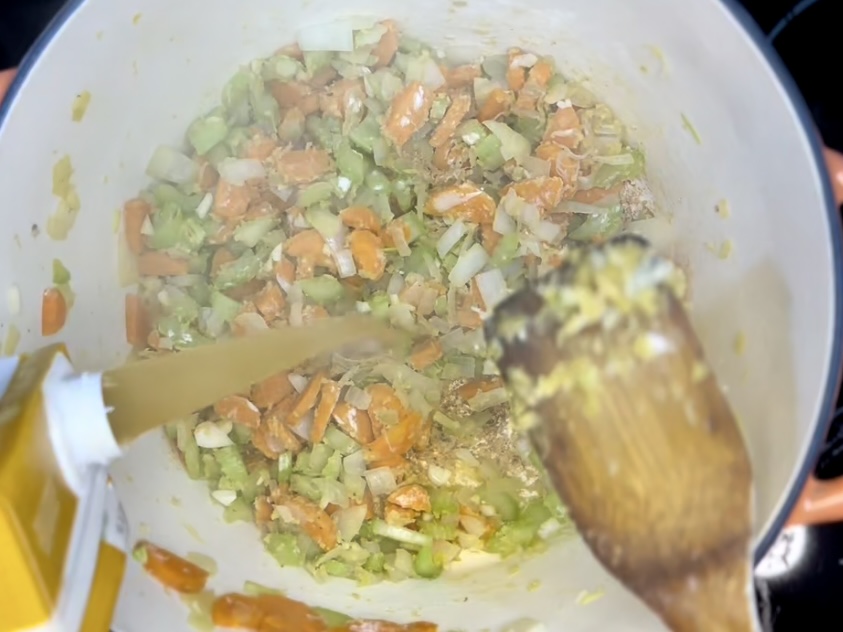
[801,582]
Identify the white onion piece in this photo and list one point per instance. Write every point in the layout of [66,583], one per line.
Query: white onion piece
[299,382]
[349,521]
[355,463]
[395,285]
[400,240]
[536,167]
[250,322]
[446,552]
[363,307]
[224,496]
[13,300]
[212,434]
[171,165]
[546,231]
[439,324]
[439,476]
[473,525]
[548,528]
[358,398]
[617,160]
[450,238]
[204,207]
[345,263]
[337,36]
[492,287]
[304,426]
[146,227]
[381,481]
[238,171]
[469,264]
[503,224]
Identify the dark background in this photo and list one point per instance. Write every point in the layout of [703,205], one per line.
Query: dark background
[807,35]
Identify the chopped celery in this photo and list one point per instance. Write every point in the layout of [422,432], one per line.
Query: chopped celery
[265,108]
[378,182]
[599,226]
[335,568]
[609,175]
[404,194]
[319,455]
[181,335]
[425,563]
[235,98]
[225,308]
[241,434]
[316,60]
[472,132]
[302,463]
[351,163]
[505,251]
[327,223]
[305,486]
[171,229]
[443,502]
[379,305]
[256,484]
[206,132]
[333,467]
[440,530]
[488,152]
[237,139]
[283,67]
[400,534]
[331,618]
[531,128]
[61,275]
[232,466]
[364,38]
[285,467]
[238,511]
[324,289]
[375,563]
[210,468]
[439,107]
[284,547]
[366,133]
[535,513]
[503,502]
[140,554]
[326,131]
[340,441]
[250,233]
[171,430]
[238,272]
[200,292]
[178,304]
[316,193]
[218,154]
[415,224]
[164,193]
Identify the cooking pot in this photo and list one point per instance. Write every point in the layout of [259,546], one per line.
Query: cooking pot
[722,127]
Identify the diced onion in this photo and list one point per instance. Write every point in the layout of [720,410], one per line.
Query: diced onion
[204,207]
[617,160]
[146,227]
[337,36]
[381,481]
[546,231]
[224,496]
[450,238]
[304,426]
[299,382]
[397,233]
[358,398]
[536,167]
[349,521]
[212,434]
[171,165]
[355,463]
[419,404]
[469,264]
[439,476]
[345,263]
[445,551]
[473,525]
[440,324]
[395,285]
[363,307]
[400,534]
[492,287]
[503,224]
[238,171]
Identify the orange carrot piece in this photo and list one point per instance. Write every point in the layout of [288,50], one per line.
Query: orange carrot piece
[329,396]
[138,324]
[239,410]
[171,570]
[272,390]
[53,312]
[156,263]
[135,213]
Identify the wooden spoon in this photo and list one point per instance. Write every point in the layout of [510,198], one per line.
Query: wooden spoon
[609,379]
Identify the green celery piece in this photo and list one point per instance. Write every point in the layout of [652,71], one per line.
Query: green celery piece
[171,430]
[282,67]
[404,195]
[250,233]
[241,435]
[364,135]
[284,547]
[226,308]
[316,193]
[210,468]
[206,132]
[317,60]
[440,307]
[416,226]
[439,530]
[439,107]
[305,486]
[426,565]
[200,292]
[378,182]
[165,193]
[61,275]
[599,226]
[302,463]
[333,467]
[506,251]
[235,98]
[331,618]
[443,502]
[379,305]
[610,175]
[256,484]
[285,467]
[535,513]
[504,503]
[265,109]
[237,139]
[488,152]
[512,538]
[324,289]
[182,306]
[238,272]
[232,465]
[351,163]
[193,461]
[218,153]
[339,441]
[254,589]
[375,563]
[319,455]
[335,568]
[531,128]
[140,554]
[172,229]
[238,511]
[325,131]
[472,132]
[182,336]
[368,37]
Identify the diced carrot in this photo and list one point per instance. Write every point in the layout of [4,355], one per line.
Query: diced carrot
[237,611]
[155,263]
[562,165]
[328,398]
[307,399]
[323,76]
[396,440]
[53,312]
[425,353]
[285,270]
[489,238]
[459,107]
[353,422]
[272,390]
[564,128]
[471,389]
[545,193]
[542,72]
[408,112]
[386,48]
[461,76]
[230,201]
[367,249]
[398,516]
[294,94]
[278,436]
[245,291]
[291,50]
[239,410]
[138,324]
[385,407]
[171,570]
[463,201]
[270,301]
[412,496]
[313,520]
[134,213]
[259,147]
[361,217]
[496,105]
[341,97]
[208,175]
[221,257]
[222,234]
[302,166]
[516,76]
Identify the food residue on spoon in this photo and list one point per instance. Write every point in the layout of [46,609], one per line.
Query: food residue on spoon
[10,344]
[262,610]
[80,106]
[61,221]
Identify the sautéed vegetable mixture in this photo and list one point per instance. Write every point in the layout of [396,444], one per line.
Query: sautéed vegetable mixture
[381,180]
